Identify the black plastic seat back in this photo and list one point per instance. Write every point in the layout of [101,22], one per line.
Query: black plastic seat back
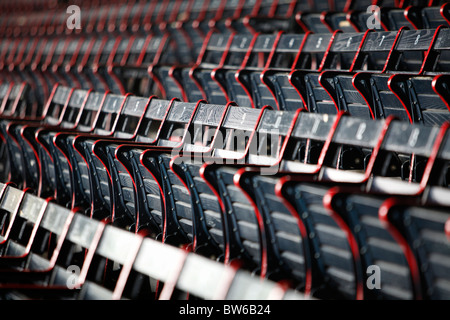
[361,213]
[423,230]
[258,59]
[433,17]
[276,75]
[334,269]
[114,254]
[212,58]
[427,107]
[235,59]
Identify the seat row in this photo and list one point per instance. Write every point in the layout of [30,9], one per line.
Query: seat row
[370,75]
[62,254]
[233,15]
[314,199]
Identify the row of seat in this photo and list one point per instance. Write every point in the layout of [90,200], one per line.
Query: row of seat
[42,252]
[241,16]
[370,75]
[311,198]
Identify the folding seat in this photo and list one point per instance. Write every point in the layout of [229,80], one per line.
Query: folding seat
[433,17]
[427,93]
[137,14]
[24,166]
[305,191]
[181,222]
[105,54]
[74,52]
[69,68]
[110,266]
[212,13]
[354,91]
[45,252]
[139,73]
[333,256]
[40,138]
[169,75]
[198,81]
[340,16]
[68,52]
[417,93]
[409,17]
[185,47]
[138,122]
[348,87]
[365,213]
[12,62]
[422,230]
[315,19]
[249,74]
[291,230]
[58,144]
[193,26]
[220,216]
[118,59]
[94,47]
[40,63]
[306,156]
[20,65]
[359,19]
[230,11]
[284,252]
[319,94]
[125,16]
[80,237]
[20,68]
[290,54]
[111,23]
[427,107]
[226,76]
[127,56]
[56,55]
[16,101]
[6,55]
[377,246]
[436,189]
[412,147]
[244,10]
[11,199]
[22,231]
[143,197]
[90,187]
[385,91]
[269,18]
[102,13]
